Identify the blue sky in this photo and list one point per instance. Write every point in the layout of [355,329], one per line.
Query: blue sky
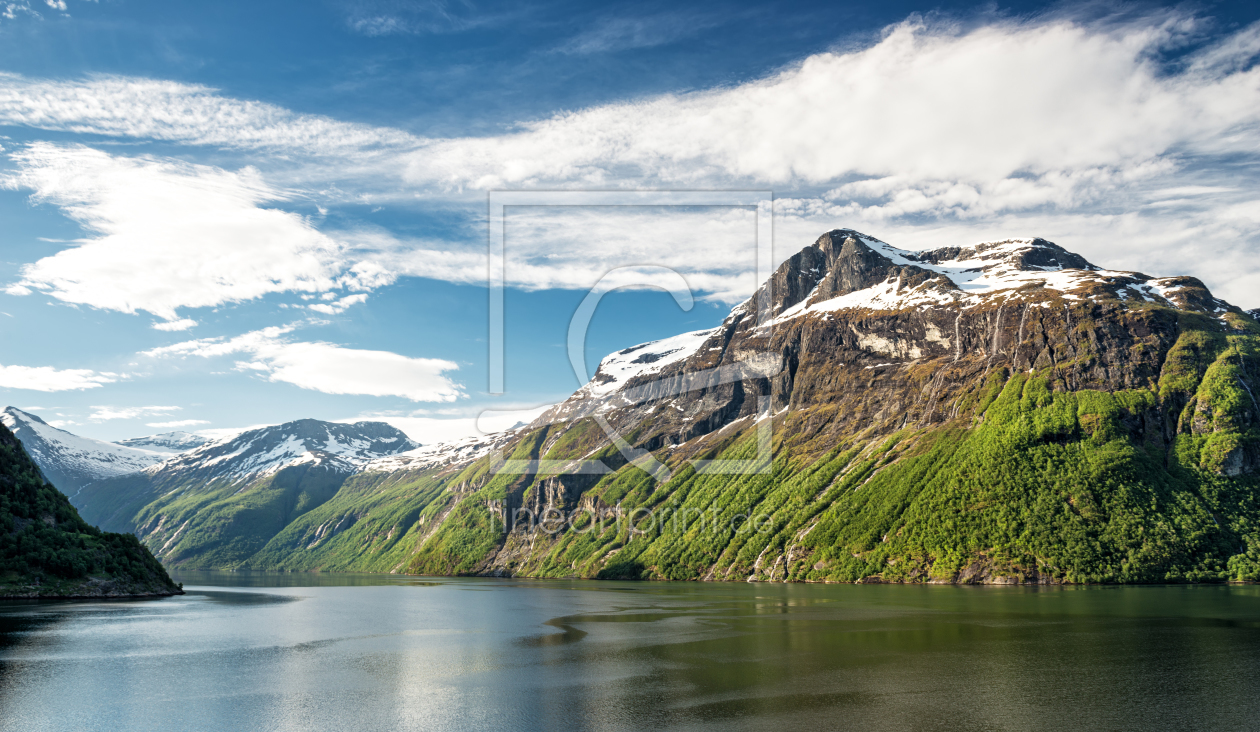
[219,215]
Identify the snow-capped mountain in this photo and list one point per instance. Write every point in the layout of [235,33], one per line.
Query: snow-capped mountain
[248,485]
[444,454]
[169,443]
[69,461]
[968,276]
[954,300]
[263,451]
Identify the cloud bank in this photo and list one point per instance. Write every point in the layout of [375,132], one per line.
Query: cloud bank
[935,134]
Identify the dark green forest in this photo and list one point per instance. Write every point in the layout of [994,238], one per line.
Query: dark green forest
[46,549]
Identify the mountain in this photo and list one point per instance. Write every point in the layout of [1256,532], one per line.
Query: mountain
[69,461]
[218,504]
[47,550]
[1006,412]
[168,443]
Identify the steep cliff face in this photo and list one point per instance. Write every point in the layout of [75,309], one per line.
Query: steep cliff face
[882,345]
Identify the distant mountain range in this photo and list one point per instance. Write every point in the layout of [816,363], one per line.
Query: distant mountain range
[1006,412]
[169,443]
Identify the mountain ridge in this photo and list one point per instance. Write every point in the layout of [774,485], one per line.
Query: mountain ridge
[171,443]
[1070,423]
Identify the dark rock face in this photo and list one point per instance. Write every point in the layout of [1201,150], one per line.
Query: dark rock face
[837,264]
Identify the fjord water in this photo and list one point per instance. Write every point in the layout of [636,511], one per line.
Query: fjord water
[362,652]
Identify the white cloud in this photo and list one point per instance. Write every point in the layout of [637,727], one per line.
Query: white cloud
[11,10]
[926,102]
[340,305]
[170,235]
[573,247]
[47,378]
[327,367]
[219,433]
[104,413]
[176,424]
[184,113]
[176,325]
[431,430]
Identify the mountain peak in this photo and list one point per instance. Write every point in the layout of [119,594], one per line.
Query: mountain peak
[848,270]
[17,415]
[266,450]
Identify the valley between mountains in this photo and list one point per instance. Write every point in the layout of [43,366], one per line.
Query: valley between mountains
[1002,413]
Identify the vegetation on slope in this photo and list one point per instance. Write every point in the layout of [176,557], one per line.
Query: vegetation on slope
[47,550]
[1029,484]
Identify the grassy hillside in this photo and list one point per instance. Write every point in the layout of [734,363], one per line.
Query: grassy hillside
[47,550]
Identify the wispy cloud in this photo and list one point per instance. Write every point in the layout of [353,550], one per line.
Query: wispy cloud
[14,9]
[47,378]
[176,424]
[328,368]
[421,17]
[572,247]
[153,109]
[1046,126]
[622,33]
[105,413]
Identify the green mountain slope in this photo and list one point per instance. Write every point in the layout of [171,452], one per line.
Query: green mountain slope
[218,505]
[47,550]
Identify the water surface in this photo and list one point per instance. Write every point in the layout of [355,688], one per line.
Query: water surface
[366,652]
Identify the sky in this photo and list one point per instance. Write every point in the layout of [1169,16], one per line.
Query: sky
[222,215]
